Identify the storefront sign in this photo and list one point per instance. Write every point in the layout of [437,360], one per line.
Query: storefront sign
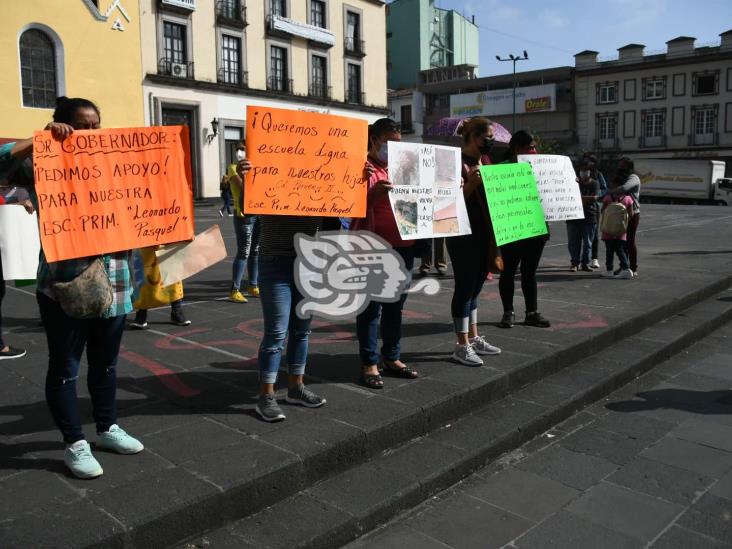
[529,99]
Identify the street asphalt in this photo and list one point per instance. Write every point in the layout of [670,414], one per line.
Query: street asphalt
[188,393]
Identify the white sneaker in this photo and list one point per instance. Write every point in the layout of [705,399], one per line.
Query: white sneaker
[79,459]
[595,264]
[625,274]
[465,354]
[482,347]
[608,274]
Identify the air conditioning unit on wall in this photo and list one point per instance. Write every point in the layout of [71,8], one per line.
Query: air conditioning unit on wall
[179,69]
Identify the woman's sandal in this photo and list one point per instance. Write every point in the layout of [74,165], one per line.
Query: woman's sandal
[372,381]
[405,373]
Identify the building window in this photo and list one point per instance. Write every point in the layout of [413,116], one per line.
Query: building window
[704,123]
[654,88]
[278,71]
[232,136]
[406,118]
[607,93]
[607,127]
[319,76]
[653,124]
[353,32]
[278,7]
[230,71]
[705,83]
[230,9]
[174,42]
[317,13]
[38,69]
[353,91]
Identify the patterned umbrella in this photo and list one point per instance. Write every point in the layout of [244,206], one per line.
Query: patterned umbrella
[448,126]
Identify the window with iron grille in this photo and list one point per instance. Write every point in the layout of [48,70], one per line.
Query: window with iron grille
[354,83]
[318,76]
[231,59]
[38,69]
[278,68]
[174,42]
[353,30]
[317,13]
[231,9]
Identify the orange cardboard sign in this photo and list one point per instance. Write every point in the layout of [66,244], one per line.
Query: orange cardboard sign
[305,163]
[103,191]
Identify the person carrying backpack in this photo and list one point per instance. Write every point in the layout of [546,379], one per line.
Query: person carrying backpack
[616,212]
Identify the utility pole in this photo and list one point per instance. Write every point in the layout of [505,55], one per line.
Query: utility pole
[513,58]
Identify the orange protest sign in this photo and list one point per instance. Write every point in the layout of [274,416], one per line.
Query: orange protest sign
[305,163]
[103,191]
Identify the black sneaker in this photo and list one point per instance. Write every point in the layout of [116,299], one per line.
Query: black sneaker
[586,268]
[304,397]
[140,322]
[507,320]
[535,319]
[12,353]
[178,318]
[268,409]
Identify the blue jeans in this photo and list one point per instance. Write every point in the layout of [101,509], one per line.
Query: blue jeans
[247,250]
[616,247]
[280,296]
[580,234]
[367,323]
[66,339]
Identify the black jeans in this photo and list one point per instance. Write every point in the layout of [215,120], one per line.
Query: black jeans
[526,253]
[469,257]
[67,338]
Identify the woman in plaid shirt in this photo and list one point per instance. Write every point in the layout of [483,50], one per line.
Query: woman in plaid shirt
[67,337]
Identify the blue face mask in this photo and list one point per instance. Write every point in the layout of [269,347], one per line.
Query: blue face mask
[383,154]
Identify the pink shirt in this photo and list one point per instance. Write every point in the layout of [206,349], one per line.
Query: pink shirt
[379,215]
[626,201]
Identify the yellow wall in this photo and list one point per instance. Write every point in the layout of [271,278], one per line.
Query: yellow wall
[101,64]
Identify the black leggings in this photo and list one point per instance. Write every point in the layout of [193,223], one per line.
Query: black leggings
[526,253]
[469,257]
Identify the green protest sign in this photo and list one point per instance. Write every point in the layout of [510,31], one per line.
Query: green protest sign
[513,202]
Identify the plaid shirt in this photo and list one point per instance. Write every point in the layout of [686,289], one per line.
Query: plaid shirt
[117,264]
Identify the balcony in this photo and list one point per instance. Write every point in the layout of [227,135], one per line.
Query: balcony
[702,139]
[277,84]
[607,143]
[354,47]
[278,25]
[356,97]
[652,142]
[319,90]
[168,67]
[228,77]
[231,13]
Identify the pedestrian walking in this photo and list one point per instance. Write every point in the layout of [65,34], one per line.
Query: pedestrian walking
[280,296]
[60,293]
[225,188]
[380,220]
[474,255]
[627,182]
[581,232]
[247,231]
[525,253]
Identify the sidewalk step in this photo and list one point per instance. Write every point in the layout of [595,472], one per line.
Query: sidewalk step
[336,510]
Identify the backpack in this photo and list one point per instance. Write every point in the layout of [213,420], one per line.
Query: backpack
[614,220]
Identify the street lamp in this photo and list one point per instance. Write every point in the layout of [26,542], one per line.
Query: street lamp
[513,58]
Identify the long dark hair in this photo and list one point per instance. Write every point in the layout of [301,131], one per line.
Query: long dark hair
[67,106]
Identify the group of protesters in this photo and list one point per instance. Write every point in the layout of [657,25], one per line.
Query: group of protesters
[265,248]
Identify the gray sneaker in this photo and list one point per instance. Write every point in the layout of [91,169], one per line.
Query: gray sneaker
[304,397]
[268,409]
[465,354]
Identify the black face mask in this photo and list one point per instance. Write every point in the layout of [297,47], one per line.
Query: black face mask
[486,147]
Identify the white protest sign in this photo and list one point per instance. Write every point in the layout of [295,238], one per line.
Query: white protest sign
[427,197]
[19,242]
[557,184]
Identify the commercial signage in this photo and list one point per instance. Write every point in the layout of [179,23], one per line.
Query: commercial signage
[529,99]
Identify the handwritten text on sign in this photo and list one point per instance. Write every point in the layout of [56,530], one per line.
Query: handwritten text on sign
[557,184]
[305,163]
[103,191]
[513,202]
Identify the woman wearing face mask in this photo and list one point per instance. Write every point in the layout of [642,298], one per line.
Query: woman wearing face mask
[246,228]
[627,182]
[67,336]
[380,220]
[581,232]
[473,255]
[526,253]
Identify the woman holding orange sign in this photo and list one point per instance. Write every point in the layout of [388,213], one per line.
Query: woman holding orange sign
[83,303]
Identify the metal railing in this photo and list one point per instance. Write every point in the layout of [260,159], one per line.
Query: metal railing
[650,142]
[608,143]
[231,12]
[354,46]
[355,96]
[701,139]
[283,85]
[168,67]
[319,89]
[233,78]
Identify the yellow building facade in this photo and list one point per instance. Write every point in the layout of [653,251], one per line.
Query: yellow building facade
[77,48]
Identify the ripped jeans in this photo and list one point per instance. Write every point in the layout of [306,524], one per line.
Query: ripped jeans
[66,339]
